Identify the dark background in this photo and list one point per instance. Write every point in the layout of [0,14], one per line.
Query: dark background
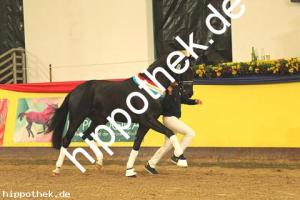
[11,24]
[182,17]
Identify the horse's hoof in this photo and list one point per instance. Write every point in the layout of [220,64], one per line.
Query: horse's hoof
[99,167]
[134,176]
[130,173]
[55,174]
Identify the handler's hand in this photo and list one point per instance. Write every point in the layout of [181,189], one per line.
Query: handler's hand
[170,90]
[198,101]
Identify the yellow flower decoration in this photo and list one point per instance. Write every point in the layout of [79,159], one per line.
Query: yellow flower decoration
[275,71]
[201,74]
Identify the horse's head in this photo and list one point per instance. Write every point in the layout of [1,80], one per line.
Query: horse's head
[184,77]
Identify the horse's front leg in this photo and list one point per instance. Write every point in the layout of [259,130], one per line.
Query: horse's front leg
[90,140]
[142,130]
[65,144]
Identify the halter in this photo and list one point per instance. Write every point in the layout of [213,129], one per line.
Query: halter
[152,86]
[181,82]
[185,83]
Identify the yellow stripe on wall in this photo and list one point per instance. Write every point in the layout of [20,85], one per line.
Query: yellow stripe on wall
[231,116]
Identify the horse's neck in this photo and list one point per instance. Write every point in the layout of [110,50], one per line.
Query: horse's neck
[164,82]
[161,78]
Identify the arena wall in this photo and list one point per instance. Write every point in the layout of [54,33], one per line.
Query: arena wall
[272,27]
[95,39]
[77,36]
[231,116]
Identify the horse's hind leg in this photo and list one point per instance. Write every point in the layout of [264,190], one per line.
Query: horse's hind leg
[135,150]
[73,126]
[93,146]
[80,102]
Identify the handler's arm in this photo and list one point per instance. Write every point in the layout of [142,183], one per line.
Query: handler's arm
[188,101]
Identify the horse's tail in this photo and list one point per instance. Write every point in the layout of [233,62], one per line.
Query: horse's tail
[21,115]
[57,123]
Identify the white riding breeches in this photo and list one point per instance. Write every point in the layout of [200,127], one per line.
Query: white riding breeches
[177,126]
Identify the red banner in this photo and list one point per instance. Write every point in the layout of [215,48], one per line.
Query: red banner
[55,87]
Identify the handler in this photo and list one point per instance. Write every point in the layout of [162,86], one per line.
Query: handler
[171,114]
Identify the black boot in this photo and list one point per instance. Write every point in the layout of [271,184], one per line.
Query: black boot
[179,161]
[150,169]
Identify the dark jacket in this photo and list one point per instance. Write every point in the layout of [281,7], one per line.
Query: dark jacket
[172,103]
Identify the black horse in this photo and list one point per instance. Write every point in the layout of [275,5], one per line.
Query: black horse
[96,99]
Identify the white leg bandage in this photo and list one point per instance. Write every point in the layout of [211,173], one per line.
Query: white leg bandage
[98,153]
[59,161]
[61,158]
[132,157]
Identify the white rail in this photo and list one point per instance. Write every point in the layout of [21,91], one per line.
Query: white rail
[13,66]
